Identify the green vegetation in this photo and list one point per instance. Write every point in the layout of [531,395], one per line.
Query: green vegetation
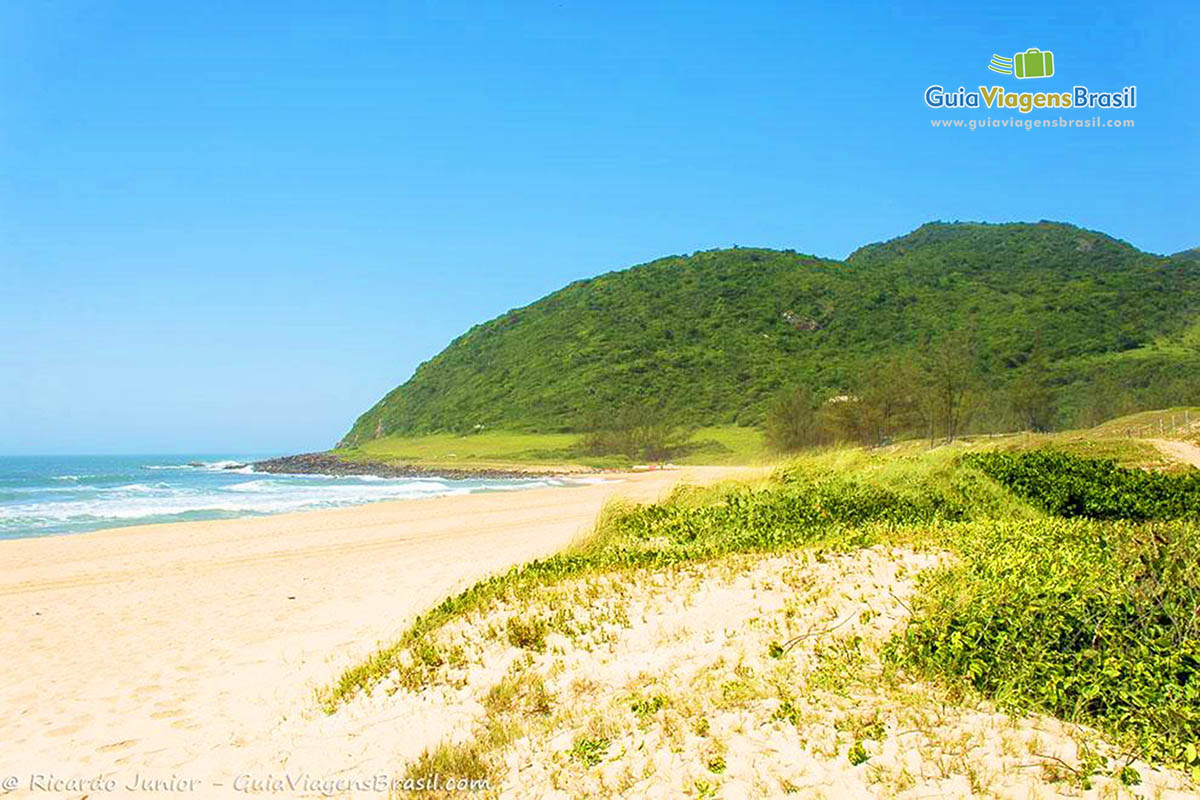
[590,751]
[459,767]
[1092,622]
[1075,587]
[515,450]
[1007,326]
[1069,486]
[729,444]
[1087,444]
[1167,422]
[484,450]
[794,422]
[639,432]
[644,707]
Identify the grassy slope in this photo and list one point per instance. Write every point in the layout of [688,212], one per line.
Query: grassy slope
[1088,444]
[728,325]
[724,445]
[486,450]
[1178,422]
[524,450]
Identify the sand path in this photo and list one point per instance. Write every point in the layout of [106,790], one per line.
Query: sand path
[1182,451]
[189,649]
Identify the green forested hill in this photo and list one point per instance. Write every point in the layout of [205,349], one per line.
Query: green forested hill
[714,336]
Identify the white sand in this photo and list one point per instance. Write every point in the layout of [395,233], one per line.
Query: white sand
[194,649]
[672,675]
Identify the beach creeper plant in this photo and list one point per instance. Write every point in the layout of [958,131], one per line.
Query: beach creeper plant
[1066,485]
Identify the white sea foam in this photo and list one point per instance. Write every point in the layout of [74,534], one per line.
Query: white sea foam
[524,484]
[249,486]
[71,489]
[86,493]
[223,465]
[209,466]
[177,499]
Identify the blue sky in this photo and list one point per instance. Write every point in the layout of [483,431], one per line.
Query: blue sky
[233,226]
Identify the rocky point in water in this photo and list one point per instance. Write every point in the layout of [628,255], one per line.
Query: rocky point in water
[329,464]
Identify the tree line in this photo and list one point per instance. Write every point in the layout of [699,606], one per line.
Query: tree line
[935,392]
[942,390]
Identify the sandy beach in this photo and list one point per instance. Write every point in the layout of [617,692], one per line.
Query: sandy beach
[188,655]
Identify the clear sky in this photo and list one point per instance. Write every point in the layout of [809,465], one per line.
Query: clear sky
[233,226]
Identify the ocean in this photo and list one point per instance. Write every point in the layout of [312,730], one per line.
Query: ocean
[44,495]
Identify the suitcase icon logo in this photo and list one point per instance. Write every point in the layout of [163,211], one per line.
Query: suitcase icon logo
[1033,63]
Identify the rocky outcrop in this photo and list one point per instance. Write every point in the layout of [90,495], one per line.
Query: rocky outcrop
[329,464]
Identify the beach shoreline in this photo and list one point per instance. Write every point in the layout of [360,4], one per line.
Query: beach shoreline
[50,495]
[196,649]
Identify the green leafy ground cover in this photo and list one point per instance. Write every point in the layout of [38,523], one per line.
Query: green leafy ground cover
[1066,485]
[1093,622]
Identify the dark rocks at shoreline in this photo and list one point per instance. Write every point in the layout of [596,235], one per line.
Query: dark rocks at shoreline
[328,464]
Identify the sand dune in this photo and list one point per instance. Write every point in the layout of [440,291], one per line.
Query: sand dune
[191,652]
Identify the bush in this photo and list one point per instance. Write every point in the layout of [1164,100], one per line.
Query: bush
[1092,622]
[635,431]
[1069,486]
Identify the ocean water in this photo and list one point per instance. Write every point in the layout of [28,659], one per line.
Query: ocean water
[43,495]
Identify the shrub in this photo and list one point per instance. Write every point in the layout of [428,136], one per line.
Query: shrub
[1070,486]
[1092,622]
[527,634]
[636,432]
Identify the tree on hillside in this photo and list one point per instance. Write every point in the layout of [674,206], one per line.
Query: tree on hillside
[793,422]
[1107,398]
[881,405]
[1032,399]
[889,394]
[949,376]
[637,430]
